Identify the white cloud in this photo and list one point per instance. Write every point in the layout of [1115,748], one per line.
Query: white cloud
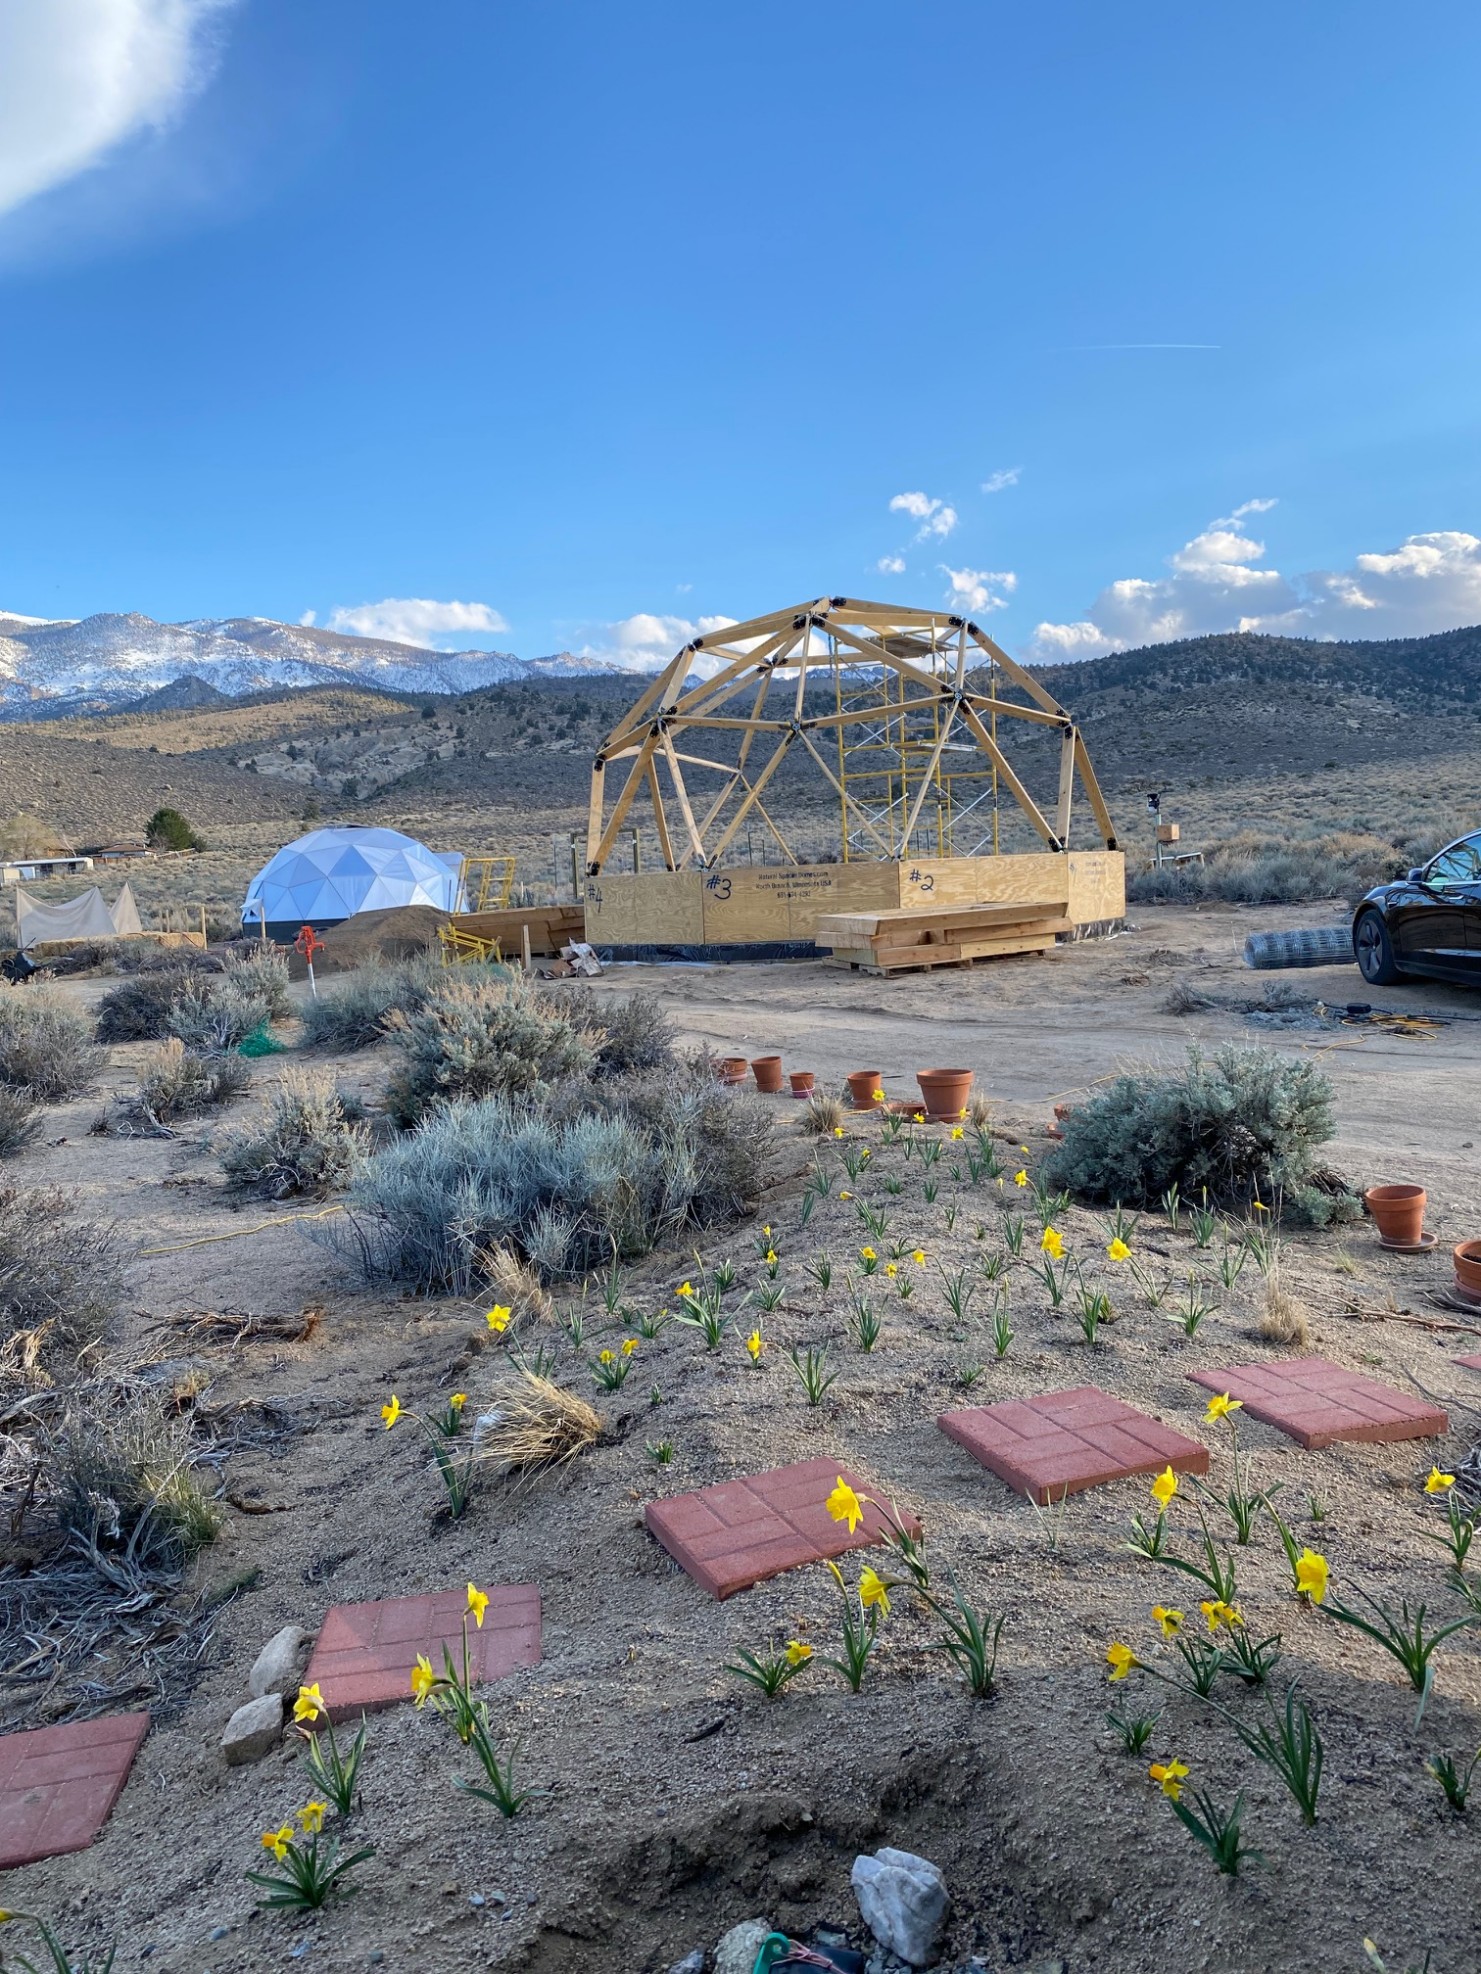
[936,519]
[309,619]
[974,591]
[1006,476]
[418,620]
[1431,582]
[891,565]
[647,641]
[79,77]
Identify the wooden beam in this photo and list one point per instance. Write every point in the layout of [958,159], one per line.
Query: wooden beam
[1092,791]
[752,797]
[921,792]
[887,847]
[659,818]
[696,840]
[1066,786]
[1016,788]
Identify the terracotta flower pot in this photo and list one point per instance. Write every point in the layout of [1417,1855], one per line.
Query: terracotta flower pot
[946,1092]
[1468,1268]
[802,1081]
[767,1071]
[733,1069]
[1398,1213]
[866,1087]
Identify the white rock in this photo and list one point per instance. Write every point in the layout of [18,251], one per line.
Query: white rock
[904,1903]
[275,1668]
[737,1951]
[253,1730]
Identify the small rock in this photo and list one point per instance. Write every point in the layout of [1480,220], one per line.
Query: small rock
[275,1668]
[736,1952]
[219,1932]
[692,1963]
[253,1730]
[904,1903]
[477,1898]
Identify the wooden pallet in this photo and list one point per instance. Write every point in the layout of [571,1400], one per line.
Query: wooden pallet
[943,935]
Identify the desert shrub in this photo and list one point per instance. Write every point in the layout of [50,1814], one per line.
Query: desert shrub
[167,829]
[120,1467]
[19,1122]
[261,973]
[631,1033]
[476,1038]
[45,1045]
[352,1013]
[1244,1124]
[210,1015]
[564,1188]
[307,1145]
[138,1008]
[55,1270]
[175,1082]
[1250,869]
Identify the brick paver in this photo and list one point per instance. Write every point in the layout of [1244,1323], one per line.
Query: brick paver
[1063,1442]
[738,1532]
[1318,1402]
[58,1784]
[1470,1363]
[364,1654]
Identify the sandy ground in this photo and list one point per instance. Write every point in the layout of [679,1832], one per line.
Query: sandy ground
[680,1801]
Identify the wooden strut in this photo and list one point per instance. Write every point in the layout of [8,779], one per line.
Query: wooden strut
[927,651]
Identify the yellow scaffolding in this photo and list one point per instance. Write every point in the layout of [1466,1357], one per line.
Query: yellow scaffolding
[488,881]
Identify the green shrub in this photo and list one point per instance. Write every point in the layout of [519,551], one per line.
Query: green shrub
[352,1014]
[55,1270]
[1245,1124]
[138,1008]
[46,1047]
[308,1145]
[167,829]
[476,1038]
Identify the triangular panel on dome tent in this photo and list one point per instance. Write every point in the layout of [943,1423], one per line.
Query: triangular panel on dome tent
[331,874]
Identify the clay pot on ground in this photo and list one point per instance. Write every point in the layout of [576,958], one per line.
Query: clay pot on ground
[802,1081]
[733,1069]
[1467,1256]
[767,1071]
[946,1092]
[865,1086]
[1398,1213]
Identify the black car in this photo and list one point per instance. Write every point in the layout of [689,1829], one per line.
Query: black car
[1428,922]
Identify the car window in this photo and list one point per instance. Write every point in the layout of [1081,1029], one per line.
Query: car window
[1460,864]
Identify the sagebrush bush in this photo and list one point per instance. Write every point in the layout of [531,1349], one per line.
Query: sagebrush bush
[176,1082]
[565,1188]
[262,974]
[19,1122]
[475,1038]
[138,1008]
[352,1013]
[630,1033]
[1244,1124]
[308,1145]
[120,1467]
[1250,869]
[46,1047]
[55,1270]
[210,1015]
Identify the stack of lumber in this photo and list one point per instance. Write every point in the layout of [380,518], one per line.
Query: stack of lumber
[938,935]
[549,927]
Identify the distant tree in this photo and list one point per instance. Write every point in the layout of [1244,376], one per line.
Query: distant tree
[167,829]
[429,712]
[350,788]
[28,836]
[311,812]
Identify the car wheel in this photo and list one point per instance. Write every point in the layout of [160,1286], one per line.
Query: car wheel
[1375,951]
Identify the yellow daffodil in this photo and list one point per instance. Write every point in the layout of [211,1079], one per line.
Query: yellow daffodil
[1170,1619]
[1221,1616]
[766,1233]
[919,1257]
[392,1412]
[1024,1150]
[630,1344]
[957,1131]
[1259,1206]
[867,1254]
[686,1288]
[458,1400]
[311,1818]
[770,1256]
[309,1704]
[1121,1659]
[1311,1575]
[1164,1487]
[1438,1482]
[838,1130]
[1020,1178]
[755,1343]
[845,1195]
[1118,1250]
[798,1654]
[497,1318]
[844,1505]
[478,1603]
[277,1841]
[873,1592]
[1169,1777]
[892,1268]
[423,1679]
[866,1153]
[606,1356]
[1051,1242]
[879,1096]
[1220,1406]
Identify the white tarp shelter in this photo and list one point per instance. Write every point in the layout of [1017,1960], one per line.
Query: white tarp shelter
[331,874]
[83,917]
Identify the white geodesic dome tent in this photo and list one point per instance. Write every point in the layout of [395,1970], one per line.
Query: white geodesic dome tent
[331,874]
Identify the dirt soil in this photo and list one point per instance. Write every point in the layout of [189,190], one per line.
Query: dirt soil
[679,1800]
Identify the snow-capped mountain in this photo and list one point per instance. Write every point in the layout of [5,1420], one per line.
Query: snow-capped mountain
[94,663]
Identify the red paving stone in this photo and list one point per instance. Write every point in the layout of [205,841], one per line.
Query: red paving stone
[1065,1441]
[1318,1402]
[1470,1363]
[57,1784]
[364,1653]
[739,1532]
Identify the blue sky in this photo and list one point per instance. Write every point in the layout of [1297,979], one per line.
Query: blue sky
[579,326]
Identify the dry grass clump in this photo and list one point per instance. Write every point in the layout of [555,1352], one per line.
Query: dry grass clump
[46,1048]
[122,1476]
[824,1114]
[532,1423]
[307,1147]
[19,1122]
[515,1284]
[55,1271]
[1283,1317]
[979,1111]
[175,1082]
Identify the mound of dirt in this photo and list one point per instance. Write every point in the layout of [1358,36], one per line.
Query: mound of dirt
[397,933]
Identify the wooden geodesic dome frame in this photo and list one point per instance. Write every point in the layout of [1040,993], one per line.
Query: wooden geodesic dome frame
[910,743]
